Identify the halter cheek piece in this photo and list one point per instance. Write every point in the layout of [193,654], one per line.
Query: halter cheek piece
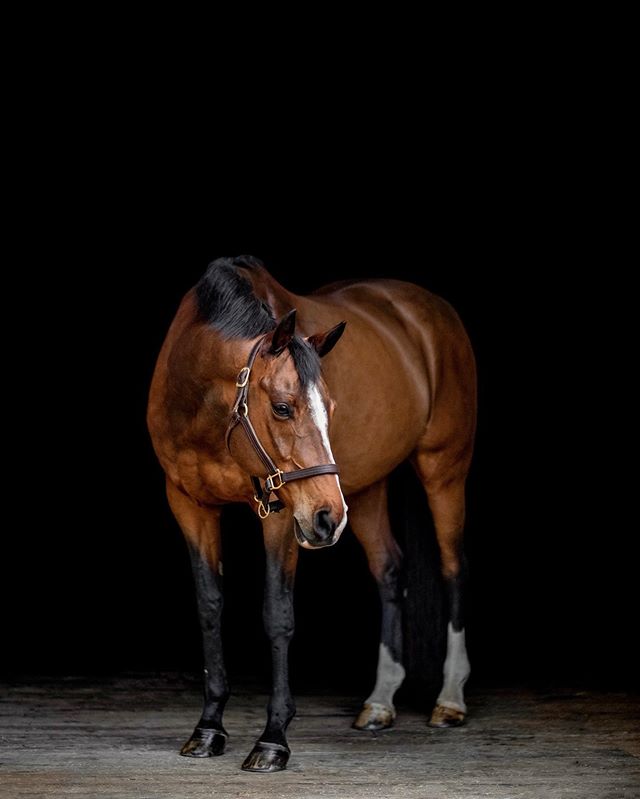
[276,478]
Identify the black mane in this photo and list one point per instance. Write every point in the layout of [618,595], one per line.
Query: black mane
[227,303]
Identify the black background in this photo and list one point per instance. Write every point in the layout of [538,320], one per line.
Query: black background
[515,234]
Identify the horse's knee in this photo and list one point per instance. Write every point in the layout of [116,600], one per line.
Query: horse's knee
[386,569]
[278,618]
[279,630]
[389,583]
[452,560]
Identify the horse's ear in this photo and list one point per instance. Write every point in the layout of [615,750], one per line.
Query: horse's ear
[325,342]
[282,335]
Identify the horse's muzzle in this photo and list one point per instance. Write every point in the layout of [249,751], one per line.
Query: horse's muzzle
[323,532]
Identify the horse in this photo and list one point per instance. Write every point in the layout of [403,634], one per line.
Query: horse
[243,410]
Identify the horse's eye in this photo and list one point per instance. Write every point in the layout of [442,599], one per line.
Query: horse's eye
[282,410]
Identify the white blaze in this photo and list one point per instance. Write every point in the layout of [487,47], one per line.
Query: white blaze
[456,671]
[321,420]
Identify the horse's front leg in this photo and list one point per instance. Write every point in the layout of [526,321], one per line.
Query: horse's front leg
[201,528]
[271,752]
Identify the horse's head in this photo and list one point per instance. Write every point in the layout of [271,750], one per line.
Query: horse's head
[290,409]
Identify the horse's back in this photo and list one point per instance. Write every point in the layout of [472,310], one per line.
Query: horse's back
[418,310]
[406,366]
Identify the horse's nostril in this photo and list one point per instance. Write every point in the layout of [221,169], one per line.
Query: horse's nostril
[323,524]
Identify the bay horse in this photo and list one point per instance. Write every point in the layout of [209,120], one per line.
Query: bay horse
[240,410]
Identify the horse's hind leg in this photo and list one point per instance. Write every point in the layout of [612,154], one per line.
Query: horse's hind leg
[447,503]
[369,519]
[201,529]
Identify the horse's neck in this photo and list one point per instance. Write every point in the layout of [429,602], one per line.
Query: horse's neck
[282,301]
[270,291]
[201,382]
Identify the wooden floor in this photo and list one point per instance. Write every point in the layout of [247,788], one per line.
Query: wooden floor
[119,738]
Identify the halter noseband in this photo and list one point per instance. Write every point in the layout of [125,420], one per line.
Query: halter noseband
[276,478]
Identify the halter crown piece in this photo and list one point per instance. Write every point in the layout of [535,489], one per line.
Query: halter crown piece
[275,478]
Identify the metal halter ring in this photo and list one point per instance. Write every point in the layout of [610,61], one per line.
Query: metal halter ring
[263,509]
[269,484]
[242,380]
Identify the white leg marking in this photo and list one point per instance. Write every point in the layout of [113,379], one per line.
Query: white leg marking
[321,419]
[456,671]
[388,680]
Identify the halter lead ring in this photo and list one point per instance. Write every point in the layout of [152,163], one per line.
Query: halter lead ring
[276,478]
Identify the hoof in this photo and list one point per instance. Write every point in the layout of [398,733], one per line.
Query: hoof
[446,717]
[205,743]
[374,716]
[266,757]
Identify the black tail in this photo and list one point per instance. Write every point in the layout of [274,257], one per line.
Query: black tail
[425,609]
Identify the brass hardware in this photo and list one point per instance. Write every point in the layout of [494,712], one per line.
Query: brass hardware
[241,382]
[269,484]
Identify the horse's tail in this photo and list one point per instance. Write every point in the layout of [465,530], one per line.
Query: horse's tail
[424,617]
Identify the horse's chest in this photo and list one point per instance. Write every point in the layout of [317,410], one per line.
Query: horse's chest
[208,480]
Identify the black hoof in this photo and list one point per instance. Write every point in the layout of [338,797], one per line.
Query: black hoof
[266,757]
[204,743]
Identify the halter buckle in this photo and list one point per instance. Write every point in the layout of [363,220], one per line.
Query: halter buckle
[243,377]
[270,485]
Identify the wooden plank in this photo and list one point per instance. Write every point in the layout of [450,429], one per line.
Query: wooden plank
[120,739]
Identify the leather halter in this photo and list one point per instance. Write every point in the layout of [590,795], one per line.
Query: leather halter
[276,478]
